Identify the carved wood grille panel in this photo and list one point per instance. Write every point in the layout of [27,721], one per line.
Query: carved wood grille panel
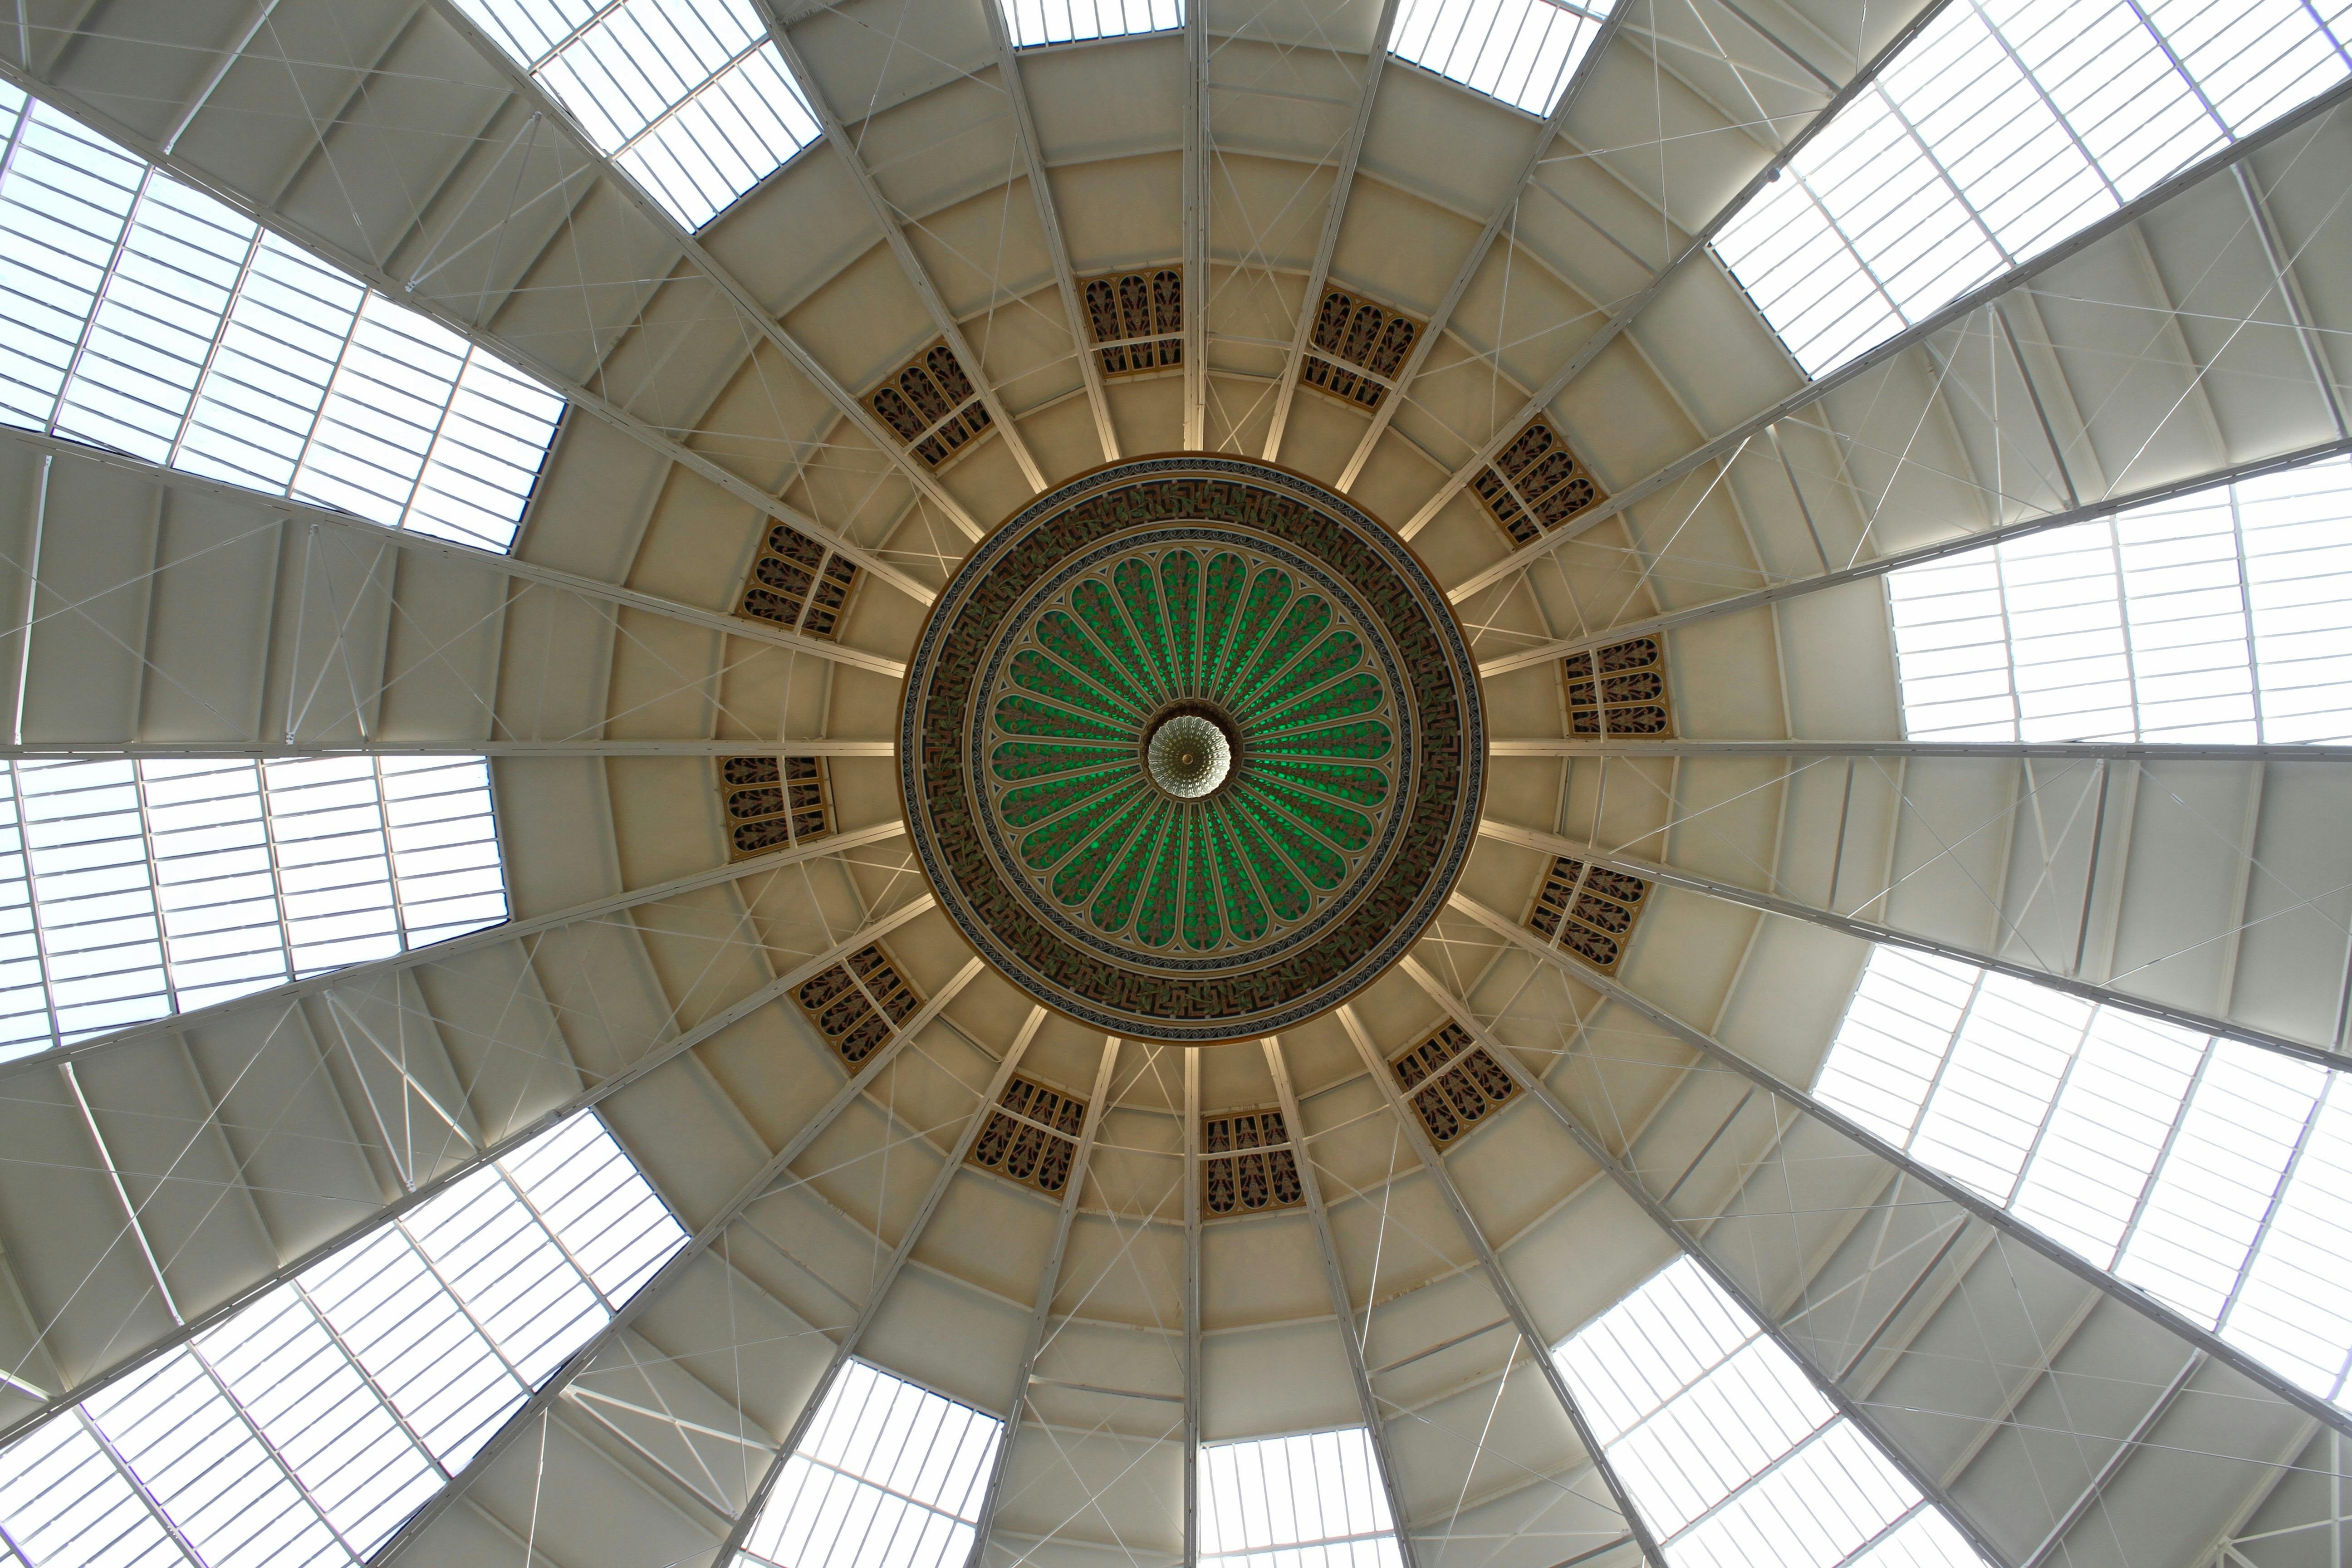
[795,582]
[932,406]
[1453,1082]
[1031,1136]
[1630,696]
[1360,349]
[773,802]
[1247,1163]
[1137,319]
[1588,910]
[841,1003]
[1536,484]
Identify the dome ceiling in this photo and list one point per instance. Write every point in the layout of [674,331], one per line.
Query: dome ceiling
[1750,1131]
[1191,749]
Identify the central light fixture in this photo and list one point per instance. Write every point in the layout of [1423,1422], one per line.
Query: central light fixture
[1188,756]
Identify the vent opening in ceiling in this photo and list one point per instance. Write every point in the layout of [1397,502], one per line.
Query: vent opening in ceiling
[932,406]
[1630,696]
[1137,319]
[1453,1082]
[1248,1163]
[796,583]
[1032,1135]
[1368,344]
[1599,908]
[842,1002]
[775,801]
[1534,484]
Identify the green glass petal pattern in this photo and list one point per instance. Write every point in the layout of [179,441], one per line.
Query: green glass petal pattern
[1228,593]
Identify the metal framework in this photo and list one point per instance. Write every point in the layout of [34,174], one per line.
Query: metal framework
[1343,1310]
[886,218]
[1377,1070]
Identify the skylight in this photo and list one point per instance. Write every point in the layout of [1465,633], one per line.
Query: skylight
[143,315]
[1731,1454]
[2226,616]
[2006,126]
[692,100]
[1069,21]
[890,1473]
[1309,1501]
[310,1423]
[131,890]
[1521,51]
[2216,1176]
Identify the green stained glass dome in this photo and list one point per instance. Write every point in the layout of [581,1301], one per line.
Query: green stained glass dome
[1192,749]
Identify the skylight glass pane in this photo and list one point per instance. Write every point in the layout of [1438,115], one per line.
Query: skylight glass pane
[1521,51]
[139,313]
[1310,1501]
[2225,617]
[131,890]
[890,1476]
[691,100]
[2210,1173]
[305,1428]
[1729,1452]
[2006,126]
[1035,22]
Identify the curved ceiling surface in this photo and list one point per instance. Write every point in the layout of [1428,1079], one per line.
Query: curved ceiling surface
[1852,1079]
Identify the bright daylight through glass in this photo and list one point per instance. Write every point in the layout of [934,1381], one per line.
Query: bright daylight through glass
[143,315]
[2214,1175]
[304,1428]
[2006,127]
[1310,1501]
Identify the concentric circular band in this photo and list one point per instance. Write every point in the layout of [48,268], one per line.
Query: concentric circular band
[1212,601]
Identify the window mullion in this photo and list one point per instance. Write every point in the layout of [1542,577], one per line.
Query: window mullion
[2124,623]
[211,350]
[154,891]
[1944,1063]
[2277,1200]
[2246,609]
[2049,1112]
[326,400]
[196,1353]
[465,1308]
[139,1488]
[1944,175]
[98,301]
[391,857]
[556,1241]
[1742,1490]
[2048,103]
[2163,1154]
[359,1368]
[2195,87]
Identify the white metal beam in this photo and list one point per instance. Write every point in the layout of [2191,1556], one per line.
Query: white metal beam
[1048,1280]
[2001,1220]
[1343,179]
[741,747]
[1049,219]
[758,1186]
[1198,183]
[1538,1349]
[1343,1310]
[1986,294]
[1889,936]
[1192,1282]
[1637,750]
[521,82]
[893,232]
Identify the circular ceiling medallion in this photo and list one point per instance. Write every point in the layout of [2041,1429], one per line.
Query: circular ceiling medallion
[1191,749]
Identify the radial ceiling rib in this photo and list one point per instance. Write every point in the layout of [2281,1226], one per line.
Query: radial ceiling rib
[1049,219]
[2258,211]
[1049,1277]
[1343,1310]
[1872,931]
[1192,1296]
[777,1170]
[1319,274]
[577,393]
[521,84]
[1194,215]
[1468,273]
[884,1277]
[2014,281]
[492,936]
[2007,1225]
[887,218]
[1854,1410]
[1757,598]
[2060,751]
[1623,316]
[747,746]
[656,1055]
[320,517]
[1538,1348]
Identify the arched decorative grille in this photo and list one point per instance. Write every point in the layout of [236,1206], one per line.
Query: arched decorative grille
[1137,319]
[1359,349]
[1588,910]
[1453,1082]
[932,406]
[841,1001]
[1629,698]
[795,582]
[1248,1163]
[772,801]
[1032,1135]
[1536,484]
